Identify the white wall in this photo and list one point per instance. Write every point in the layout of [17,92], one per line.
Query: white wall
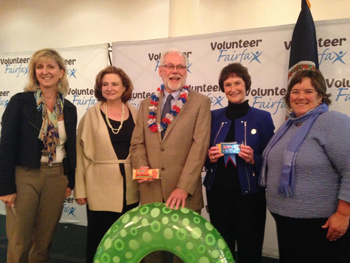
[209,16]
[31,25]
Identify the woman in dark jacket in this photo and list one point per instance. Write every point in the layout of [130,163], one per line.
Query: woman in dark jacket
[236,203]
[38,136]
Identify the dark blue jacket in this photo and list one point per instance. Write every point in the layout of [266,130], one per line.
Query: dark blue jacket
[257,121]
[19,142]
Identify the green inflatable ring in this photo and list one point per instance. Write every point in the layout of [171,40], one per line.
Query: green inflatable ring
[154,227]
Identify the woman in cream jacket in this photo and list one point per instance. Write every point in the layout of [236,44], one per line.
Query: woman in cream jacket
[104,172]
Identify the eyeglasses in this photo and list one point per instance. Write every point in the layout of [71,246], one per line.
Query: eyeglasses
[172,67]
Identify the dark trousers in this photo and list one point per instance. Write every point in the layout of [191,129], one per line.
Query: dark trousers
[239,219]
[304,241]
[98,224]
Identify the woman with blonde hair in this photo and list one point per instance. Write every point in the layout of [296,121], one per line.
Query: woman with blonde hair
[37,139]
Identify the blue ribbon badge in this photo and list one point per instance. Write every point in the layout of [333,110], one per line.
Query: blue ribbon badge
[229,149]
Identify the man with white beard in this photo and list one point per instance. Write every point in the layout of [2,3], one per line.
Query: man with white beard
[176,144]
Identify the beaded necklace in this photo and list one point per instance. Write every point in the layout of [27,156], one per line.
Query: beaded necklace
[173,112]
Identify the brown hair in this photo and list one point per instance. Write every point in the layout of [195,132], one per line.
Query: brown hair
[317,82]
[125,80]
[235,70]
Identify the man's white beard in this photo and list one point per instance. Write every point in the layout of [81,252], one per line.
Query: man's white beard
[174,88]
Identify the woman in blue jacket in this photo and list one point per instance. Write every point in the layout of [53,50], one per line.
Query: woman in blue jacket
[38,136]
[237,205]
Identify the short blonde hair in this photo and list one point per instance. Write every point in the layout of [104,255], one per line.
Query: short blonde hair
[47,53]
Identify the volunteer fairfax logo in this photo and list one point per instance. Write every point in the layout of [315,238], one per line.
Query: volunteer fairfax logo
[137,97]
[16,70]
[9,61]
[79,100]
[212,91]
[69,210]
[68,207]
[227,55]
[246,55]
[216,100]
[267,99]
[328,55]
[71,72]
[83,97]
[4,97]
[342,85]
[332,56]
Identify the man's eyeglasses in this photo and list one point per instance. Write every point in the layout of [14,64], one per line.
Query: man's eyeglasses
[172,67]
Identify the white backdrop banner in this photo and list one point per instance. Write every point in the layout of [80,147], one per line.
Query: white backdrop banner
[264,51]
[83,64]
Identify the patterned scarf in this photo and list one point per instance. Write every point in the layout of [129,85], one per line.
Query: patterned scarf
[49,129]
[286,187]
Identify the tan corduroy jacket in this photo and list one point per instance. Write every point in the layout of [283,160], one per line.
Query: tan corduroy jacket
[97,175]
[180,156]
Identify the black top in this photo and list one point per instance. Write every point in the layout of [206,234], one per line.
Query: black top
[121,141]
[227,177]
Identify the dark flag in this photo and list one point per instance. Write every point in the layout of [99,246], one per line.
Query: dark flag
[303,52]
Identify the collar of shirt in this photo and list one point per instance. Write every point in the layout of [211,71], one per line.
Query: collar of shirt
[175,94]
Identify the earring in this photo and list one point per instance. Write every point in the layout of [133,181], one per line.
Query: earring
[36,83]
[59,84]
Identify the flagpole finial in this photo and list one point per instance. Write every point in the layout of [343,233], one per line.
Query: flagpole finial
[308,3]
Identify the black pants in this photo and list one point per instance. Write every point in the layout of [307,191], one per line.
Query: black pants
[239,219]
[98,224]
[304,241]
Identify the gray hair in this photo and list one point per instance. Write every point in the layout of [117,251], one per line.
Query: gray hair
[170,51]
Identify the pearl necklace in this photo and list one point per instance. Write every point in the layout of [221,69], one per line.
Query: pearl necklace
[115,131]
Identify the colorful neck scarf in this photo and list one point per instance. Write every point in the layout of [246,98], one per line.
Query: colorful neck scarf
[287,177]
[49,129]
